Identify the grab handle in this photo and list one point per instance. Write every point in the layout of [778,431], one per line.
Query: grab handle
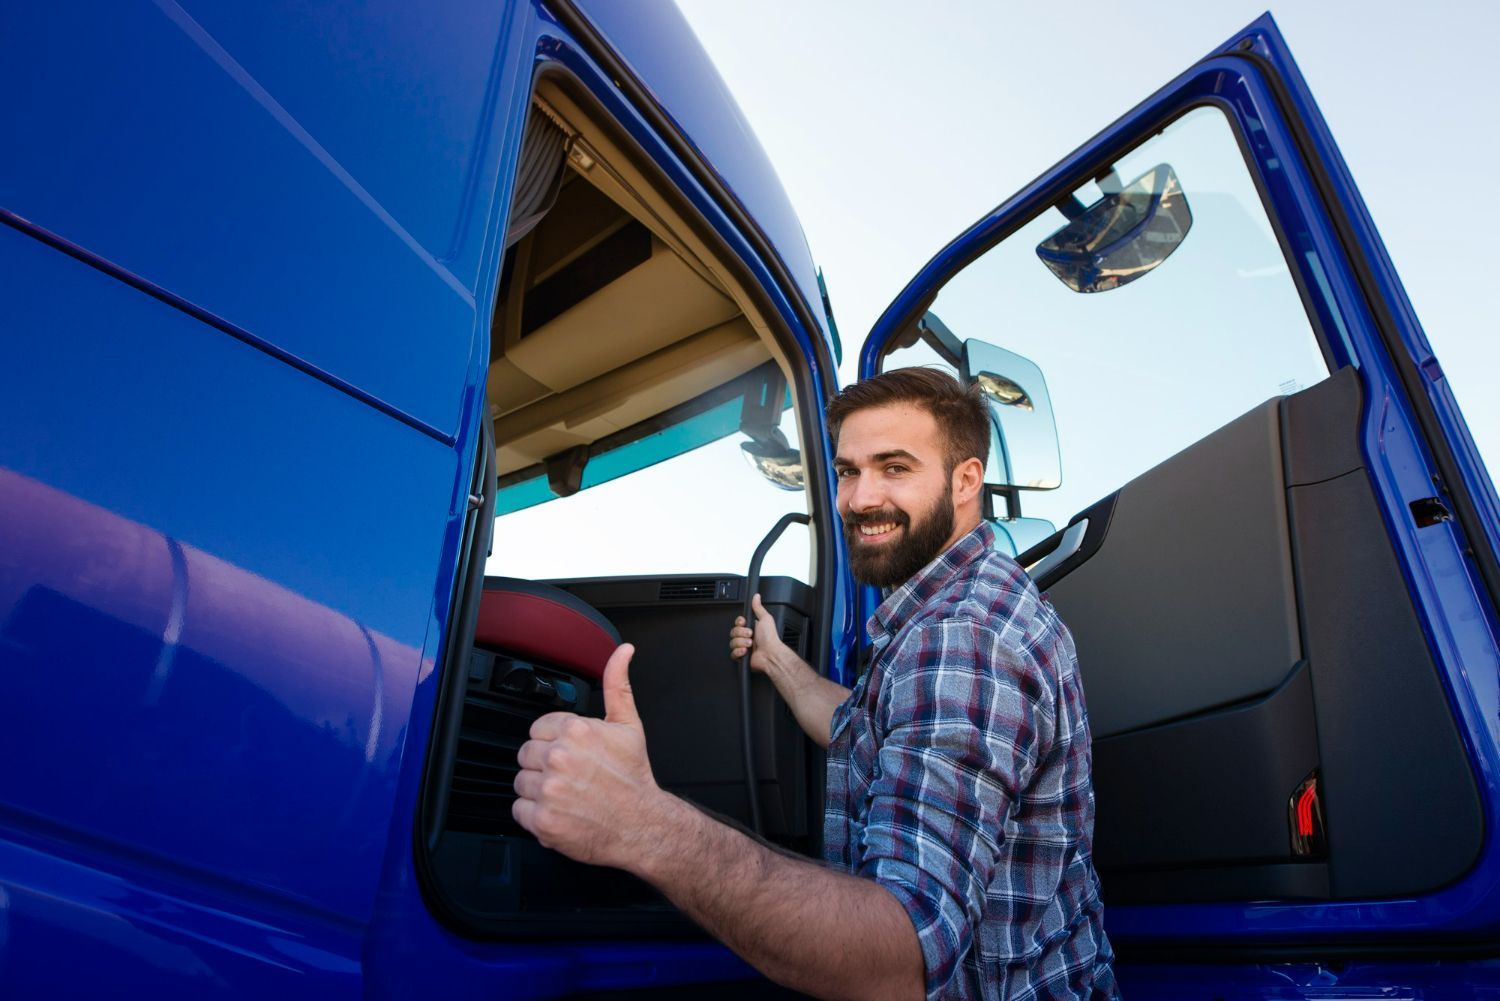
[752,585]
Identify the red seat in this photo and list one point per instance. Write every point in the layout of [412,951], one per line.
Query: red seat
[544,625]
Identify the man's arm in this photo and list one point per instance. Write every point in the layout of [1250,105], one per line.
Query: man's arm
[812,697]
[812,928]
[586,790]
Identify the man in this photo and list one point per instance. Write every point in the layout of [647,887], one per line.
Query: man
[960,813]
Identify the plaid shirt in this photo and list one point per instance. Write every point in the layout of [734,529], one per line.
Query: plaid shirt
[958,777]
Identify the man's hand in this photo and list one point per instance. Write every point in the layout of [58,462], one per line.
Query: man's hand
[586,790]
[765,646]
[585,787]
[812,698]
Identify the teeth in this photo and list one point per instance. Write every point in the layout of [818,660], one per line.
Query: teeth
[877,529]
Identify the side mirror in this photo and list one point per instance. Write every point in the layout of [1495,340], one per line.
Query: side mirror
[1024,453]
[1120,237]
[768,451]
[772,457]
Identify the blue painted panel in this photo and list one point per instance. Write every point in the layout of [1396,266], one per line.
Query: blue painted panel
[399,96]
[70,930]
[1393,979]
[136,133]
[219,574]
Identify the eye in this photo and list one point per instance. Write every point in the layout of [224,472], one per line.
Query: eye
[895,468]
[844,472]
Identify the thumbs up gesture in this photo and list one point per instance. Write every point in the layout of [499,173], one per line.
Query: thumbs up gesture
[585,787]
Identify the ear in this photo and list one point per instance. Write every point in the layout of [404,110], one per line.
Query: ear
[968,482]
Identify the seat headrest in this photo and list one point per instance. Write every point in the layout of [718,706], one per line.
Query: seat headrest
[544,624]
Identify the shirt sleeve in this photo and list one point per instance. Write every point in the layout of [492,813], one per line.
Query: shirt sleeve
[965,719]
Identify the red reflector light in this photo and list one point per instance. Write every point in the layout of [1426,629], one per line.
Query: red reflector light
[1305,817]
[1305,804]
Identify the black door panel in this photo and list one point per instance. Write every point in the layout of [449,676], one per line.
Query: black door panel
[1189,603]
[1242,625]
[1217,788]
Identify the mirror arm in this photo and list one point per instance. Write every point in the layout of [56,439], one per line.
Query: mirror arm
[1071,207]
[942,340]
[760,411]
[565,470]
[1012,497]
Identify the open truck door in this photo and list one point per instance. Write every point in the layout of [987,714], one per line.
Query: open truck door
[1269,531]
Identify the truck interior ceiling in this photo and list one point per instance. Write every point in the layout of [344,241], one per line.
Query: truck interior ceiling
[622,340]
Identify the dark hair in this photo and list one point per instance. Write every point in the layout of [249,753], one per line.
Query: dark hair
[961,414]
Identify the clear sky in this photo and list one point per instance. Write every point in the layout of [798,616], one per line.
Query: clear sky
[894,125]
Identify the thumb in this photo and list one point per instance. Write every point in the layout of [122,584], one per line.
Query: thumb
[761,614]
[619,701]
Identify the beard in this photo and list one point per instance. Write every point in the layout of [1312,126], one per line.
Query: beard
[918,543]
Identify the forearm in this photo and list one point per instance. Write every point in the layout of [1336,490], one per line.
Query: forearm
[806,926]
[812,698]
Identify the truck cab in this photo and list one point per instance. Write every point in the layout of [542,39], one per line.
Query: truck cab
[369,378]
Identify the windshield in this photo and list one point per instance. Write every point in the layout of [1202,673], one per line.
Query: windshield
[685,499]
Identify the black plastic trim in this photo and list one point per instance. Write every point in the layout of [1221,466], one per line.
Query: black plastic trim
[442,742]
[1099,515]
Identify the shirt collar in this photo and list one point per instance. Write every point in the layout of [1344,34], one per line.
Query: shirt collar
[904,602]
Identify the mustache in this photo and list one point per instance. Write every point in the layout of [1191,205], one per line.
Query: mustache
[891,516]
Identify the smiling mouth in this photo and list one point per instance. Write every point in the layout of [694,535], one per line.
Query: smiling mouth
[871,533]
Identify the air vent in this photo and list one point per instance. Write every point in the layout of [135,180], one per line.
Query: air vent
[791,635]
[484,777]
[495,724]
[484,769]
[686,590]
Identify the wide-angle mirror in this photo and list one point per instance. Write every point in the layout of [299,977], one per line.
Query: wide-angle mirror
[1122,236]
[1027,456]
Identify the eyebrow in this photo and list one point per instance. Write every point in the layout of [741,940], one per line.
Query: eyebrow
[895,453]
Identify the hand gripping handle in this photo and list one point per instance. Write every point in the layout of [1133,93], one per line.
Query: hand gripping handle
[752,585]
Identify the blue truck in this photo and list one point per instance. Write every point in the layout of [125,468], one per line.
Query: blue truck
[342,349]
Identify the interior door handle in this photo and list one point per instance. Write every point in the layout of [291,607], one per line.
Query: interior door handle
[1070,543]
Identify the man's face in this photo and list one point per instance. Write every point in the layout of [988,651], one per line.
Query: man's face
[895,493]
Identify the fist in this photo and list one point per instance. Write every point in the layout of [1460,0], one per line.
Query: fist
[585,787]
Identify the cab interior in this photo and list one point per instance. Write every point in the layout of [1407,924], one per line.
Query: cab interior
[616,319]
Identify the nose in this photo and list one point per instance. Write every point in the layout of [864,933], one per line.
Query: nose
[863,493]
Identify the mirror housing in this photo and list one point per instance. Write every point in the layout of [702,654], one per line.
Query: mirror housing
[772,457]
[1120,237]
